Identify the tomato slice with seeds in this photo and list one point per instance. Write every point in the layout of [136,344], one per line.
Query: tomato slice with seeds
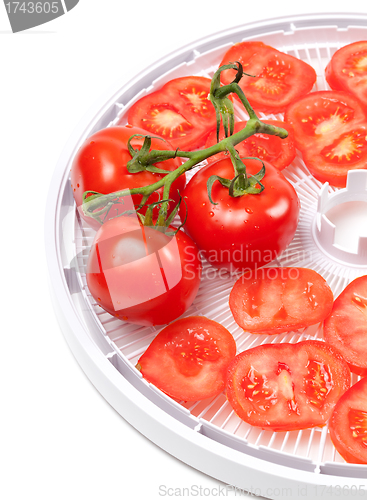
[179,112]
[272,300]
[330,130]
[348,424]
[189,358]
[279,152]
[347,69]
[346,327]
[286,387]
[277,78]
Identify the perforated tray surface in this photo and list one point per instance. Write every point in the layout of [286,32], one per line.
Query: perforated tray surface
[313,39]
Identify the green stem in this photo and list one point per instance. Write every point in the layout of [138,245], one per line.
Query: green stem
[253,126]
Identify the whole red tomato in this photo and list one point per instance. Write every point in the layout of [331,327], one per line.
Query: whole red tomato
[244,232]
[141,275]
[100,165]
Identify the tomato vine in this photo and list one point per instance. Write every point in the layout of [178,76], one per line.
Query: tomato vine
[97,205]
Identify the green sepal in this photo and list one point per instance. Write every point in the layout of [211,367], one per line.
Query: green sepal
[253,180]
[170,218]
[209,184]
[136,164]
[223,106]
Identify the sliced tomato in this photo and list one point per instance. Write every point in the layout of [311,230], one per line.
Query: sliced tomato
[348,424]
[287,387]
[347,69]
[279,152]
[330,130]
[188,359]
[346,327]
[277,299]
[179,112]
[277,78]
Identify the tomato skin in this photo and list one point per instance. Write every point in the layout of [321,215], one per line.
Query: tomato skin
[100,165]
[351,411]
[179,111]
[141,275]
[278,78]
[188,359]
[347,69]
[330,129]
[346,326]
[278,386]
[272,300]
[234,234]
[279,152]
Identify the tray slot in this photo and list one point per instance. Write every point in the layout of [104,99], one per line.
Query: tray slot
[171,407]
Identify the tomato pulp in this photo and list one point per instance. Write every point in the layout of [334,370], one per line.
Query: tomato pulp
[188,359]
[348,424]
[101,165]
[141,275]
[286,387]
[245,232]
[179,112]
[330,130]
[277,78]
[279,152]
[346,327]
[279,299]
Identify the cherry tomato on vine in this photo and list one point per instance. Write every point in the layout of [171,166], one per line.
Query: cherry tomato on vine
[141,275]
[279,152]
[188,359]
[346,327]
[100,165]
[245,232]
[330,130]
[348,424]
[179,111]
[347,69]
[286,387]
[277,78]
[279,299]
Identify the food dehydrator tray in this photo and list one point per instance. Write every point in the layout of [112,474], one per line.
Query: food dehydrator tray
[207,434]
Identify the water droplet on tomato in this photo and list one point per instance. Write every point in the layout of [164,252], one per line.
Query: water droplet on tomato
[249,210]
[92,142]
[99,299]
[222,227]
[211,214]
[125,318]
[204,204]
[256,227]
[77,185]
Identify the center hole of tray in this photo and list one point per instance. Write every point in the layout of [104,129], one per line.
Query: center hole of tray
[350,220]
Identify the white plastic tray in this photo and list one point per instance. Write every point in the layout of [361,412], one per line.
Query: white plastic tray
[207,435]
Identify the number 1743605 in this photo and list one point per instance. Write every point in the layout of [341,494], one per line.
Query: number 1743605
[33,7]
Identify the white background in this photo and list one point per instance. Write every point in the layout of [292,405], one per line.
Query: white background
[59,438]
